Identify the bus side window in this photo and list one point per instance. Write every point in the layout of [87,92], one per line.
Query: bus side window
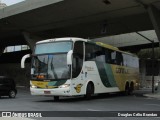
[100,54]
[113,57]
[124,60]
[119,58]
[108,58]
[77,58]
[89,52]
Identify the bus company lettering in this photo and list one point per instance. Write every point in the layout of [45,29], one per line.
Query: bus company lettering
[122,70]
[89,68]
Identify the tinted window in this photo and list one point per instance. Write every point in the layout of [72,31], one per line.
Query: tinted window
[6,81]
[90,52]
[119,58]
[130,61]
[100,54]
[110,56]
[77,58]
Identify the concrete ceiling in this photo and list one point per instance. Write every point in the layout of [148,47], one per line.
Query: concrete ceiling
[78,18]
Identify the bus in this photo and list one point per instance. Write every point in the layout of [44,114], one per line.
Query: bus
[76,66]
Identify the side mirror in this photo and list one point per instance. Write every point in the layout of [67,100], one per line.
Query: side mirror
[69,57]
[24,59]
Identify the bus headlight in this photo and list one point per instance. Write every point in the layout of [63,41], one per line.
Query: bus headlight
[64,86]
[33,86]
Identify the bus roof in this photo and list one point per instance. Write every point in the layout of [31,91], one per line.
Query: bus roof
[113,48]
[62,39]
[107,46]
[85,40]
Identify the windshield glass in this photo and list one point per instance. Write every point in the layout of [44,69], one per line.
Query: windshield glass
[52,66]
[53,47]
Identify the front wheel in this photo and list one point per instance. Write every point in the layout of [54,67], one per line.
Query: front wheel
[12,94]
[89,91]
[56,98]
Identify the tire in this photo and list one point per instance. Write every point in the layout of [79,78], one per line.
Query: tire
[89,91]
[12,94]
[56,98]
[131,88]
[127,89]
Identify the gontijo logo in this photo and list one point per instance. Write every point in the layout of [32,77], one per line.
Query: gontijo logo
[78,88]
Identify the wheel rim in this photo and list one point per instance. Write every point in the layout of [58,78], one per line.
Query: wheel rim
[12,94]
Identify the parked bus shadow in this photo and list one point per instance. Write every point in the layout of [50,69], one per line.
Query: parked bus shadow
[82,98]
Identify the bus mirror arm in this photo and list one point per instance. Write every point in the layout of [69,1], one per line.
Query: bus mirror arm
[69,57]
[24,59]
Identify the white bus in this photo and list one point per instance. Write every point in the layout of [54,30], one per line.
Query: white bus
[75,66]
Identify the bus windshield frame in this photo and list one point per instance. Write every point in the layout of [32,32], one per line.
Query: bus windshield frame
[50,64]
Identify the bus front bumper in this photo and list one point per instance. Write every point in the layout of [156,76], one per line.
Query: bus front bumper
[51,92]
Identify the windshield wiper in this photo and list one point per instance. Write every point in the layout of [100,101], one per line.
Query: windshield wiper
[52,68]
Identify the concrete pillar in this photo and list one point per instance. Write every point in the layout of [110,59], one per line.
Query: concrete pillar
[154,14]
[30,39]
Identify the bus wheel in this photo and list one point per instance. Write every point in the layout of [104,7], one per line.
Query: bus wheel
[12,94]
[56,98]
[131,88]
[127,90]
[89,91]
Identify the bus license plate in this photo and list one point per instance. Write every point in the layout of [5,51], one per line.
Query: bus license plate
[47,92]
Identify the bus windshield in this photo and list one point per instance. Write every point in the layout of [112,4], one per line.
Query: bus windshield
[52,66]
[53,47]
[50,60]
